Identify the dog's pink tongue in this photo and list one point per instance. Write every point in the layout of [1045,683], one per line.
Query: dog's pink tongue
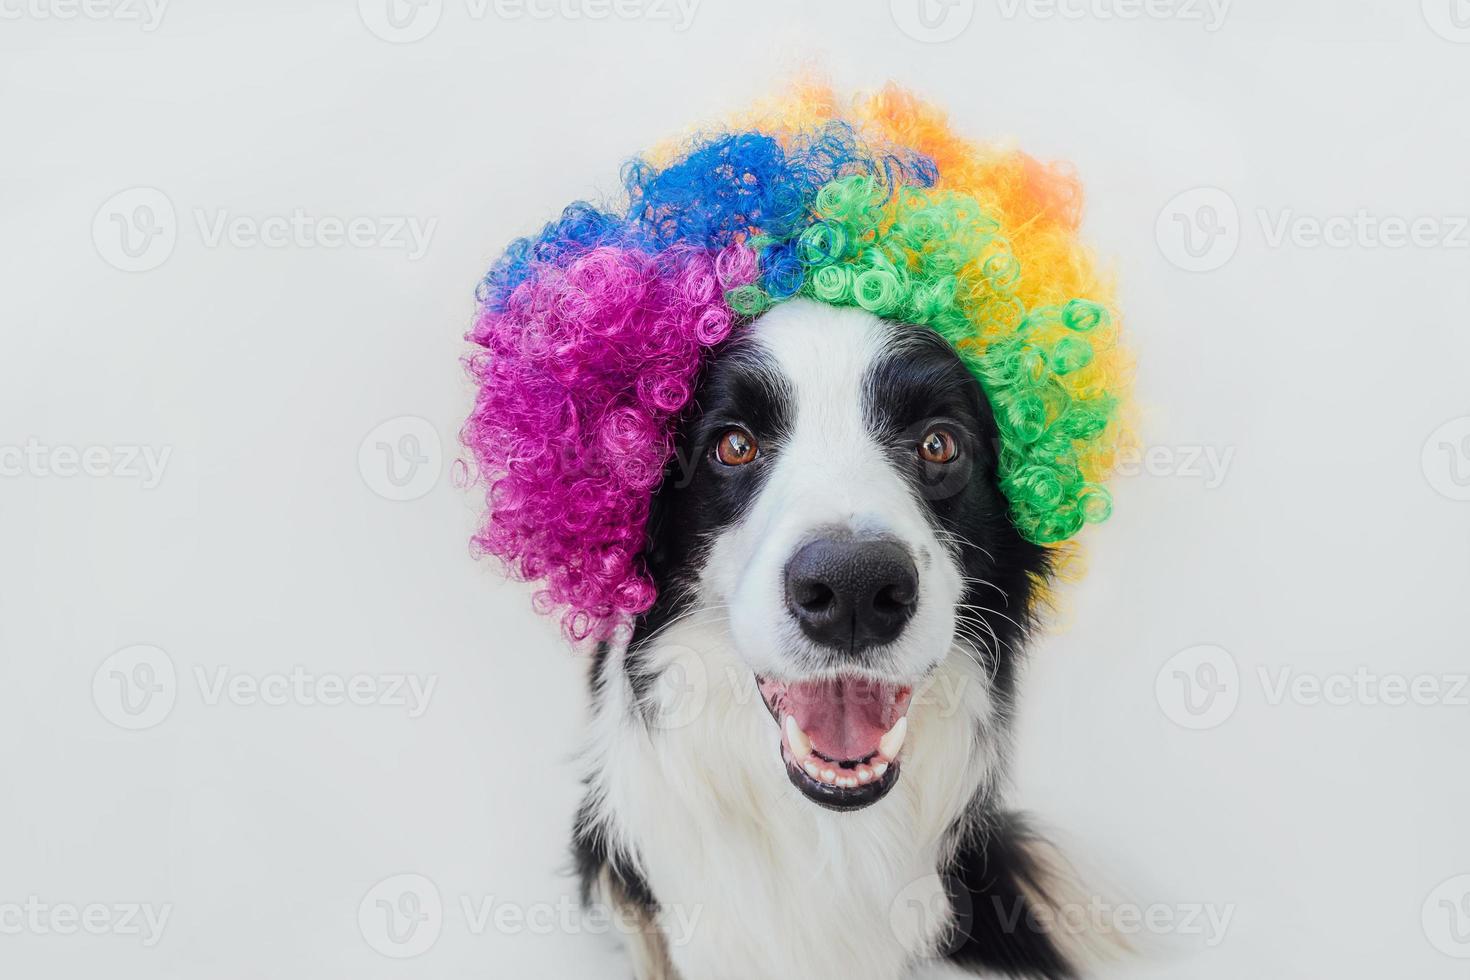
[845,719]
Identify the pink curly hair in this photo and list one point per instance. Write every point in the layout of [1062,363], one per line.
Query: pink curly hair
[583,368]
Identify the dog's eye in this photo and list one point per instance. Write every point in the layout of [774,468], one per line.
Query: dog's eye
[938,446]
[736,447]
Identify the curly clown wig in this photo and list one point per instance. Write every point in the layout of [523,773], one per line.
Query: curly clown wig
[591,333]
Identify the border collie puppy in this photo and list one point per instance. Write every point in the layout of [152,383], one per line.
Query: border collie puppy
[794,435]
[800,750]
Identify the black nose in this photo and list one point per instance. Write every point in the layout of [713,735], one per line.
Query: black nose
[851,594]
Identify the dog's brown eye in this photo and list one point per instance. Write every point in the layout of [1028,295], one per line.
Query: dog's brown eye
[938,446]
[736,447]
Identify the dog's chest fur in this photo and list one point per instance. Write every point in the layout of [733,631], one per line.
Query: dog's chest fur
[750,879]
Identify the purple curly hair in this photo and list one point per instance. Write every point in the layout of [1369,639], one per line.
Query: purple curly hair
[583,368]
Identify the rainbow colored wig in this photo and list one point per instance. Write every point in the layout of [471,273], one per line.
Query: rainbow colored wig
[593,331]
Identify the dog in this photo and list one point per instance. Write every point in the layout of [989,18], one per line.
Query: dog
[844,600]
[886,374]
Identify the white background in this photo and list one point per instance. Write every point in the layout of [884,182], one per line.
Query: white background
[1332,540]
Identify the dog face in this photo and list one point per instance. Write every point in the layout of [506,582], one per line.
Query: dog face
[839,510]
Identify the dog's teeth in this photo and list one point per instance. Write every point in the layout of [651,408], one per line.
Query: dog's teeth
[829,775]
[880,769]
[847,782]
[865,775]
[811,769]
[893,741]
[801,746]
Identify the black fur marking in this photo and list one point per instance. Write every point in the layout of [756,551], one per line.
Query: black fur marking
[591,855]
[702,496]
[597,680]
[922,383]
[995,927]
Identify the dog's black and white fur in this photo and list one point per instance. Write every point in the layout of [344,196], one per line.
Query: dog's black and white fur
[738,864]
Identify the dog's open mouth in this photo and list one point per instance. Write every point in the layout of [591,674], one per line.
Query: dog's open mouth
[840,738]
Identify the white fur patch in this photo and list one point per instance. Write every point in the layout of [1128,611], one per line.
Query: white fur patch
[775,885]
[830,472]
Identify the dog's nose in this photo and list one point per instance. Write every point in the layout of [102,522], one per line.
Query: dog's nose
[851,594]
